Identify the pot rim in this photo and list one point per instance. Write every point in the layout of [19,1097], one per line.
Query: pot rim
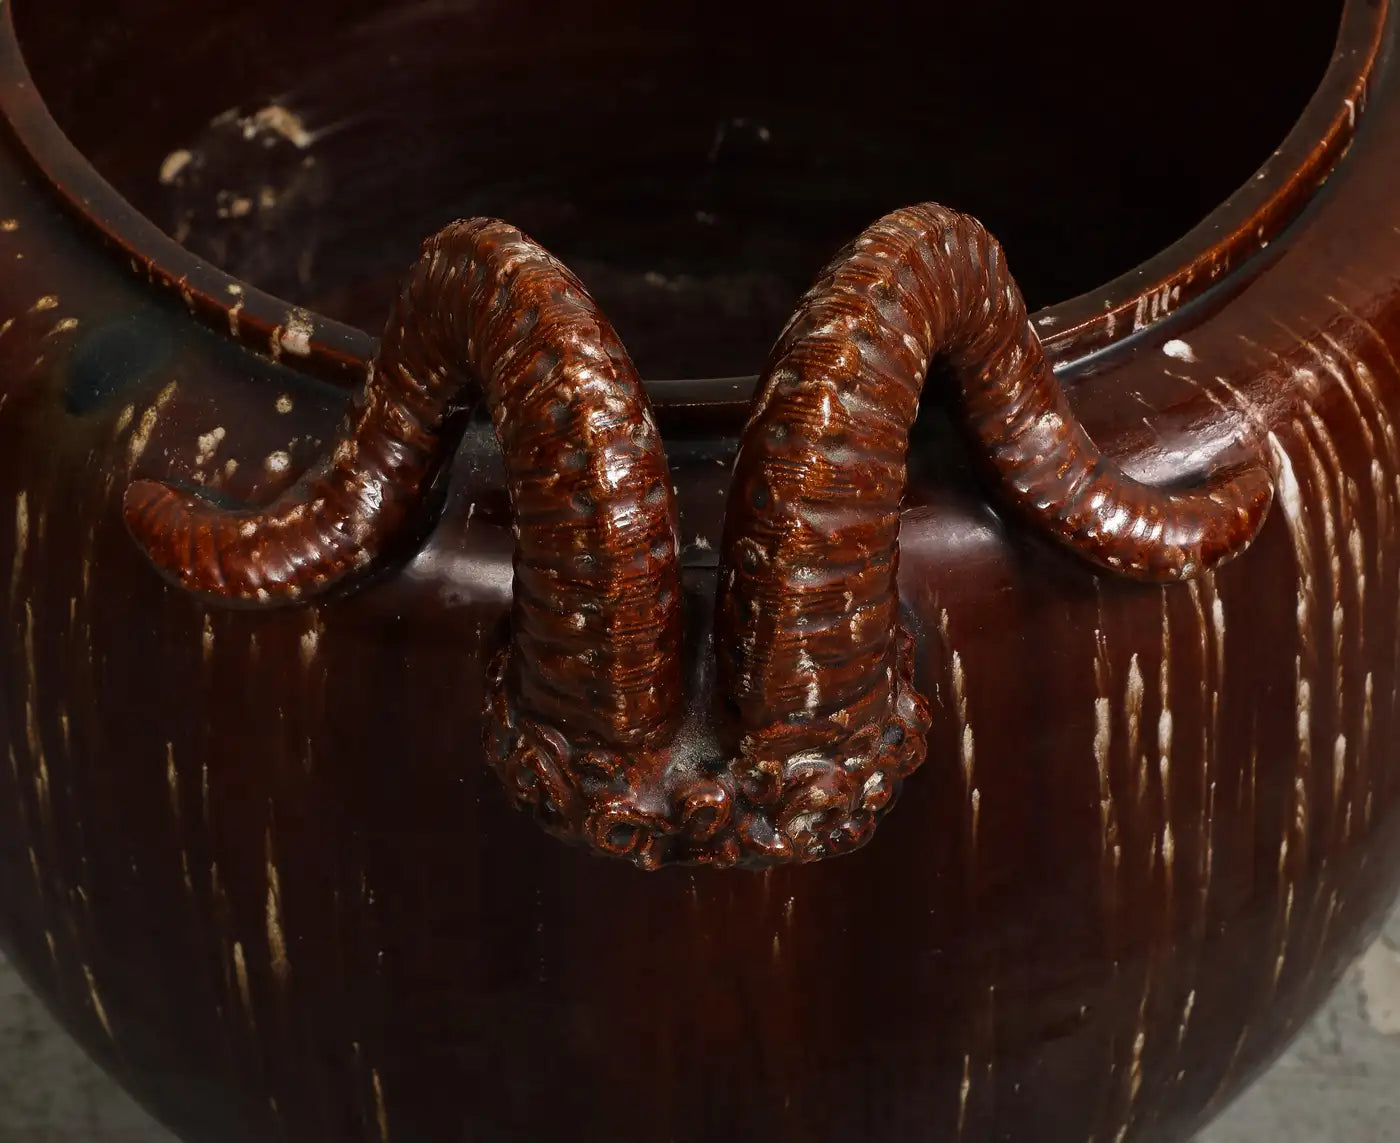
[1233,233]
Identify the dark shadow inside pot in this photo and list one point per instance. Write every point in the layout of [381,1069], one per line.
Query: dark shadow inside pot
[695,164]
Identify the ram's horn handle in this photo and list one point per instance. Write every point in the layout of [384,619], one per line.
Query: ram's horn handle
[816,717]
[484,314]
[807,623]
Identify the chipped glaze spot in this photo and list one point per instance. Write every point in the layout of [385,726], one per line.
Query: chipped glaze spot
[295,336]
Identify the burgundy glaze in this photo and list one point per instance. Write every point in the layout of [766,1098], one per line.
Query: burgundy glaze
[256,858]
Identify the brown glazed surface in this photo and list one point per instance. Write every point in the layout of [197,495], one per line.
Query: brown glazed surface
[255,859]
[815,674]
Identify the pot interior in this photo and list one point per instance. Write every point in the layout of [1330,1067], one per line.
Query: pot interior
[694,163]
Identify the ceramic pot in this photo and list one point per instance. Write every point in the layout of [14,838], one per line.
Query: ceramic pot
[896,718]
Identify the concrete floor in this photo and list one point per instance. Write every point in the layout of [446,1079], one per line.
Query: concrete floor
[1339,1083]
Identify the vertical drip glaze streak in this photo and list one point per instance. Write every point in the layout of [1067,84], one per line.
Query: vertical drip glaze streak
[810,551]
[485,313]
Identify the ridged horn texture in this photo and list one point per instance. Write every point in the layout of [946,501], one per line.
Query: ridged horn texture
[485,313]
[807,624]
[817,719]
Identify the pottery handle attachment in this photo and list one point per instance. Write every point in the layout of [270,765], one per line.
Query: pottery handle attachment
[484,314]
[808,634]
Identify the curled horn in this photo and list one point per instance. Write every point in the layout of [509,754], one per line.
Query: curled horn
[807,626]
[485,312]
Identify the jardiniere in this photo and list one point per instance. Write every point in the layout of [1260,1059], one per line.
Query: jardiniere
[947,724]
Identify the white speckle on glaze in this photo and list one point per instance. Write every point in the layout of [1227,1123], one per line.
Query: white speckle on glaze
[272,120]
[1328,480]
[1164,717]
[381,1114]
[959,680]
[173,165]
[1135,1073]
[276,941]
[141,435]
[1186,1018]
[1178,349]
[21,539]
[1110,851]
[240,971]
[310,644]
[1303,700]
[808,669]
[172,780]
[283,404]
[231,205]
[47,302]
[294,336]
[1103,741]
[1217,615]
[206,444]
[964,1089]
[1132,706]
[277,461]
[966,737]
[1295,516]
[9,225]
[98,1008]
